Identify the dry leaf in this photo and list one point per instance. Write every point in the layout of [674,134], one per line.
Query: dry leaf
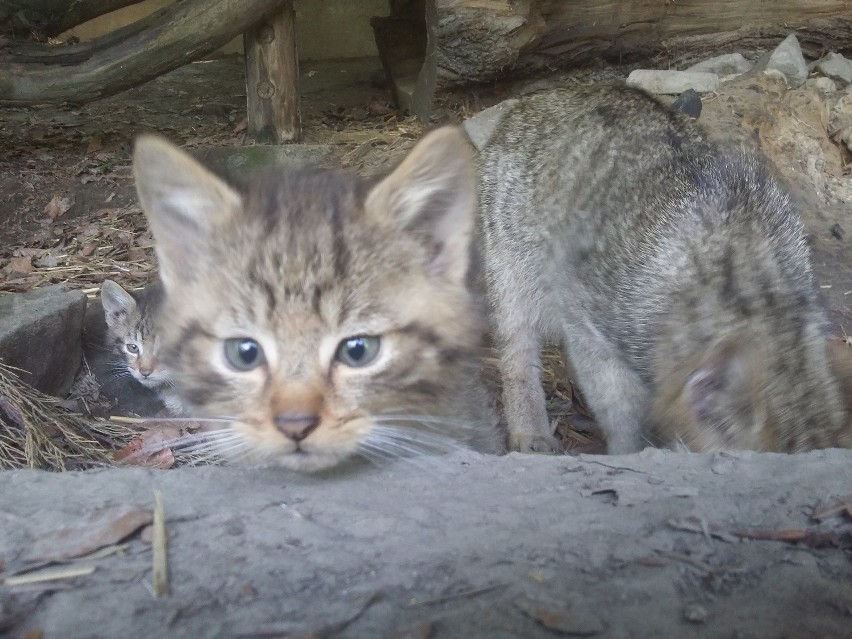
[95,145]
[151,448]
[100,528]
[57,206]
[21,266]
[242,125]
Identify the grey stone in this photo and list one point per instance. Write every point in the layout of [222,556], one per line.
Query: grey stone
[40,333]
[788,59]
[673,82]
[723,65]
[231,161]
[836,67]
[452,541]
[480,127]
[825,86]
[688,103]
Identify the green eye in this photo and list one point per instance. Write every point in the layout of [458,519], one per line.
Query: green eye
[133,349]
[243,353]
[358,351]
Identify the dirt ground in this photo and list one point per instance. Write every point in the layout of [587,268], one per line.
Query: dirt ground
[651,545]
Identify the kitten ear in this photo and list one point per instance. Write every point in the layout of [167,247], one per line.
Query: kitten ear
[117,303]
[433,194]
[184,203]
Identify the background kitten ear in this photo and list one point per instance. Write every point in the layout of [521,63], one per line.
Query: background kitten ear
[433,194]
[184,204]
[727,376]
[117,302]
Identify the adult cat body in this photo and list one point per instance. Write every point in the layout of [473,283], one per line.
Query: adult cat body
[673,270]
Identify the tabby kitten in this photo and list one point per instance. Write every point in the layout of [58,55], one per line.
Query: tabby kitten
[322,315]
[133,334]
[674,271]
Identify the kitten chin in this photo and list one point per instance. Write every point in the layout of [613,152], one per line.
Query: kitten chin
[320,315]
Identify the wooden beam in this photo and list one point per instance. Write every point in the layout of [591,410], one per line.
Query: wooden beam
[128,57]
[272,78]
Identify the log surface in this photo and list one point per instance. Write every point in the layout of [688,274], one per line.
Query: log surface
[658,544]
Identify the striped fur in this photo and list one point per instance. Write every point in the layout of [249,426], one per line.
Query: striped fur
[674,271]
[302,262]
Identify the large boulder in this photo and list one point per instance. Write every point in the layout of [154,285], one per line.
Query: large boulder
[40,334]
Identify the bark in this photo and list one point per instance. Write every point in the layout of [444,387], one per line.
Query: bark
[272,78]
[472,41]
[52,17]
[127,57]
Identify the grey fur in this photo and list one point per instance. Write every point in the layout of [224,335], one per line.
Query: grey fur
[674,271]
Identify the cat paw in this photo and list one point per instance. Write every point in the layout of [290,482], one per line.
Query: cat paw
[534,443]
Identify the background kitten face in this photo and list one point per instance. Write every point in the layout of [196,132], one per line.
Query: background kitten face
[133,333]
[321,316]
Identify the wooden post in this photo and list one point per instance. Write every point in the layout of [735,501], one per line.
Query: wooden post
[272,78]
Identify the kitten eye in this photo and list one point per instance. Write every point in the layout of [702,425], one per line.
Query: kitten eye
[358,351]
[133,349]
[243,353]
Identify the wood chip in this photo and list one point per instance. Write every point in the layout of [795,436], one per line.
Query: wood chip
[159,548]
[49,574]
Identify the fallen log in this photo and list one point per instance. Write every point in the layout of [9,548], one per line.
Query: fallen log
[471,41]
[51,17]
[127,57]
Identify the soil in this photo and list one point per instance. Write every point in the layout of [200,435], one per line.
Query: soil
[649,545]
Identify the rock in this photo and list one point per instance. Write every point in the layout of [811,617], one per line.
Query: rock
[40,333]
[688,103]
[836,67]
[825,86]
[480,127]
[840,123]
[673,82]
[723,65]
[788,59]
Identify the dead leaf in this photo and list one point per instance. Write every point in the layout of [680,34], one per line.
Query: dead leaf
[95,145]
[242,125]
[99,528]
[21,266]
[561,619]
[135,254]
[151,448]
[58,206]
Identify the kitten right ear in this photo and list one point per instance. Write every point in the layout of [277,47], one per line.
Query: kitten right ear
[184,203]
[117,302]
[433,195]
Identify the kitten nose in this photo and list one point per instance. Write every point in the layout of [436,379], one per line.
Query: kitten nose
[296,426]
[145,371]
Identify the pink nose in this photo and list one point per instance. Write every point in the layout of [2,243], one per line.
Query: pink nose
[296,426]
[145,371]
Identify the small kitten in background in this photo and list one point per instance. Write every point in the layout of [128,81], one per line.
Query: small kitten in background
[321,315]
[674,271]
[133,334]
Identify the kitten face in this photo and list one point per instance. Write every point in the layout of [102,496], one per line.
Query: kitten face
[133,333]
[320,316]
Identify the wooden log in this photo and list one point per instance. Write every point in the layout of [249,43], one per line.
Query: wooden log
[472,41]
[272,78]
[52,17]
[128,57]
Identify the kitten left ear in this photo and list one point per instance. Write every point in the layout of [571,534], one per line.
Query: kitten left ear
[184,203]
[433,194]
[117,303]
